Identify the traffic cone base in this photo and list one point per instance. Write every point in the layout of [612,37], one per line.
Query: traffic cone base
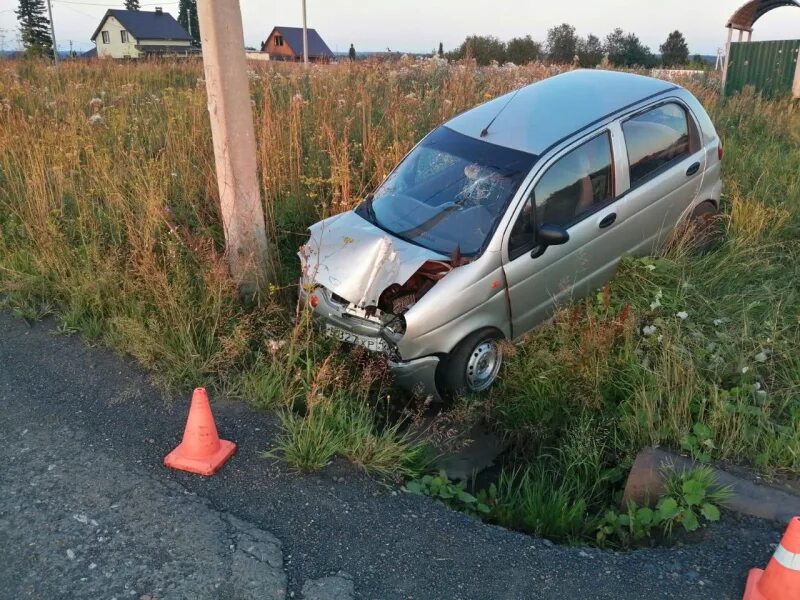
[201,466]
[201,451]
[751,591]
[781,579]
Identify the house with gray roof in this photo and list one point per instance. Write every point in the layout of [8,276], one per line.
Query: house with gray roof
[140,33]
[286,43]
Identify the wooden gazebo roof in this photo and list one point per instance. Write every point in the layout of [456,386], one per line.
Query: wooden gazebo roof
[747,15]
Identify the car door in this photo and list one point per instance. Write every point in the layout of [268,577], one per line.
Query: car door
[666,165]
[576,191]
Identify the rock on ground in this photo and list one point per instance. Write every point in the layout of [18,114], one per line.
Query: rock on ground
[336,587]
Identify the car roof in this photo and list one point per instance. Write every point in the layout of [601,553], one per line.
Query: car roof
[538,116]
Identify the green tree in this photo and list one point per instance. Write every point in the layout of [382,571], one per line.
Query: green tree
[484,49]
[132,4]
[562,44]
[34,27]
[590,51]
[187,16]
[627,50]
[675,51]
[523,50]
[441,50]
[615,46]
[352,52]
[637,54]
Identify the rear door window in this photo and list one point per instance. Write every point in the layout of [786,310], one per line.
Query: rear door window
[656,139]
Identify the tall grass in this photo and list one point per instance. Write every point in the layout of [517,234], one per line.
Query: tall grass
[109,219]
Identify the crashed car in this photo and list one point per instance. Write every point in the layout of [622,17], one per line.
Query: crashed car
[504,213]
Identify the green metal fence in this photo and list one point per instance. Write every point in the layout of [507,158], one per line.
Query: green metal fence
[768,66]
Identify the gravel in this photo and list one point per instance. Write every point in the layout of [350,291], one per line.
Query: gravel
[87,510]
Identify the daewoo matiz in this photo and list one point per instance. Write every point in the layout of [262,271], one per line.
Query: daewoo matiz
[505,212]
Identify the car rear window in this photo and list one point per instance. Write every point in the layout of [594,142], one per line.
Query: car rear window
[655,139]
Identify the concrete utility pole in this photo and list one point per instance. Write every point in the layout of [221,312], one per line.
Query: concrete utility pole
[52,32]
[305,35]
[796,85]
[231,114]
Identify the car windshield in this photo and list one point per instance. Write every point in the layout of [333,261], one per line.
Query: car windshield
[449,193]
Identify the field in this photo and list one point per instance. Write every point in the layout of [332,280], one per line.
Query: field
[109,220]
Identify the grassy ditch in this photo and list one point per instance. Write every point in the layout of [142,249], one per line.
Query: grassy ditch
[109,220]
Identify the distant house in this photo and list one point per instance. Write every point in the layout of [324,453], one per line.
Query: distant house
[286,43]
[139,33]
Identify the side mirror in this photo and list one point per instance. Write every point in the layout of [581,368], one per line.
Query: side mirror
[549,235]
[552,235]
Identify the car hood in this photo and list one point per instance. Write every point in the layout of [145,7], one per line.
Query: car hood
[357,260]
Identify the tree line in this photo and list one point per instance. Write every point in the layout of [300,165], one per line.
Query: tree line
[564,45]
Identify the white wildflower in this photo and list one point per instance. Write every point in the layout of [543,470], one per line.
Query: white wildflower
[650,267]
[756,386]
[717,322]
[745,370]
[761,357]
[275,345]
[649,329]
[683,315]
[96,119]
[761,394]
[657,302]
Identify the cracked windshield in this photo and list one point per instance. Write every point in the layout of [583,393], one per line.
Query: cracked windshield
[450,192]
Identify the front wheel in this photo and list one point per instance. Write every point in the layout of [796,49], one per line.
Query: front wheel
[473,365]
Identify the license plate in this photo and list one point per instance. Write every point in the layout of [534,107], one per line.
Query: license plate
[370,343]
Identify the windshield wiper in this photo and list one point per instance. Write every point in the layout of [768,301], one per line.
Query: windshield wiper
[367,204]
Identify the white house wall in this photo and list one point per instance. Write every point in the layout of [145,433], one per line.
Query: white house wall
[184,43]
[115,48]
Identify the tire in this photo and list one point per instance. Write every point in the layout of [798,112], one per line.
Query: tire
[705,226]
[473,365]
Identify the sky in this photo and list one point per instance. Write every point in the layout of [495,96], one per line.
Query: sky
[419,25]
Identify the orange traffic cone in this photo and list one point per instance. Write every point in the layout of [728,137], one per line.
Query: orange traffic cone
[781,579]
[201,450]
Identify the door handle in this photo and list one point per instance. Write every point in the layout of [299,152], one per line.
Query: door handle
[608,220]
[693,169]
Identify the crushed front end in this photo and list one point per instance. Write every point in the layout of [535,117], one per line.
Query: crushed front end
[360,282]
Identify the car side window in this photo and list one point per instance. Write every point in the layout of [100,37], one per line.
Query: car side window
[576,185]
[655,139]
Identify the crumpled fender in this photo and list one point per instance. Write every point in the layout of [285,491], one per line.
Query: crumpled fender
[357,260]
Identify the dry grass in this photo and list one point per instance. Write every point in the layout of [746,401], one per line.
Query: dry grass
[109,219]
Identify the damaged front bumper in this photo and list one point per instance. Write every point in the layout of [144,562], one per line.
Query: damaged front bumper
[416,376]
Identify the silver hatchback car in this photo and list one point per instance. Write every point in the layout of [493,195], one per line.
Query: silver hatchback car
[504,213]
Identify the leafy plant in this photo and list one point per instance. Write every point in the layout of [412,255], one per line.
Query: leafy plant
[691,497]
[634,525]
[448,492]
[699,442]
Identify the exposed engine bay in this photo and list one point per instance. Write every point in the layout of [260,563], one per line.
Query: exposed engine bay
[368,274]
[398,299]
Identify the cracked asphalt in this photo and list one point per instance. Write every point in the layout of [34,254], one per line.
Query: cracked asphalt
[88,511]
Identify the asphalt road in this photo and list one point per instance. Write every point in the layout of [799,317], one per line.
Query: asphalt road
[88,511]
